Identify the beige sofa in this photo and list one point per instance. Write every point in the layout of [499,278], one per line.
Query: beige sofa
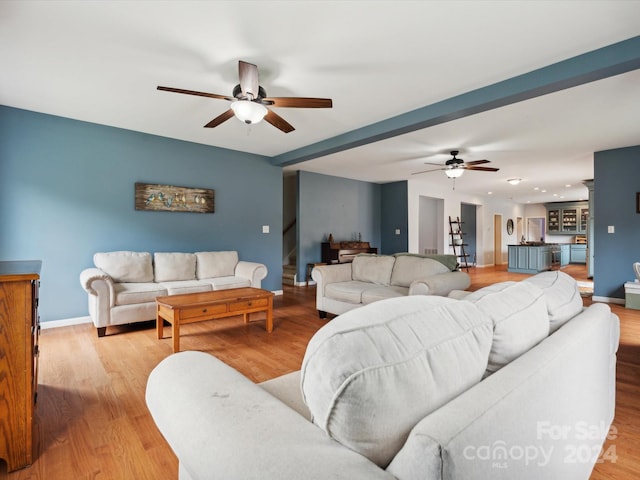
[370,278]
[516,381]
[123,286]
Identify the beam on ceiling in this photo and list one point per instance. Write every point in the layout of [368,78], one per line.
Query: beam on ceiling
[596,65]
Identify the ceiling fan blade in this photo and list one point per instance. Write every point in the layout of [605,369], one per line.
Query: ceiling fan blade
[427,171]
[219,119]
[248,73]
[193,92]
[433,163]
[482,169]
[477,162]
[278,122]
[298,102]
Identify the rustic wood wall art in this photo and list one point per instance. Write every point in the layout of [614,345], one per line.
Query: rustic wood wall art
[170,198]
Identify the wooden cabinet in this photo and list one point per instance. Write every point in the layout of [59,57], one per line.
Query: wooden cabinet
[567,218]
[344,252]
[19,333]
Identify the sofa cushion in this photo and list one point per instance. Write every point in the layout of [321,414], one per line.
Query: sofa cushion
[563,296]
[186,286]
[125,266]
[408,268]
[518,311]
[372,268]
[170,267]
[381,293]
[132,293]
[350,292]
[224,283]
[372,373]
[216,264]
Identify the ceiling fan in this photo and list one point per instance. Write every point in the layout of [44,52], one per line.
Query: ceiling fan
[455,167]
[249,101]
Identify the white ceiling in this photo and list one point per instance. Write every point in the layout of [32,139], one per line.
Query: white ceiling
[101,62]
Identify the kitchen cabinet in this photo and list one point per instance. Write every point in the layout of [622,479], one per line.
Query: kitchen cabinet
[579,253]
[567,218]
[529,258]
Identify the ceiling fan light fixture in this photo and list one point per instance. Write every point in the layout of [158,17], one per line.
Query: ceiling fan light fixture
[248,112]
[454,172]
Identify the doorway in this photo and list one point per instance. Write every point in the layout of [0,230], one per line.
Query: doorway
[497,239]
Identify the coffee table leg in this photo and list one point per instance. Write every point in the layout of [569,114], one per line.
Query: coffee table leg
[269,323]
[159,324]
[175,332]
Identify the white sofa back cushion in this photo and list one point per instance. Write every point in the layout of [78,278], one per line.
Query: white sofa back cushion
[408,268]
[124,266]
[372,373]
[563,296]
[372,268]
[216,264]
[520,320]
[171,267]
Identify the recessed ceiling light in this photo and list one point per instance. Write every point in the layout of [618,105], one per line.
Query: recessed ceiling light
[536,188]
[489,193]
[514,181]
[568,185]
[543,191]
[561,196]
[555,194]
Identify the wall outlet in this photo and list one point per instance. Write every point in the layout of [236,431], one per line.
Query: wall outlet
[265,228]
[611,229]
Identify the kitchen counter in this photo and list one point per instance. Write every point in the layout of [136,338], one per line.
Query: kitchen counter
[530,258]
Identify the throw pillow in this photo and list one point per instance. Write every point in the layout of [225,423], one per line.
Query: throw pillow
[563,296]
[216,264]
[373,373]
[372,268]
[518,311]
[124,266]
[171,267]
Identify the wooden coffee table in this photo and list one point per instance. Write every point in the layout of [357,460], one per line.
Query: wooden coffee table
[198,307]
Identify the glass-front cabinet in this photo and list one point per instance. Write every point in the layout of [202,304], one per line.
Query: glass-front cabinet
[567,218]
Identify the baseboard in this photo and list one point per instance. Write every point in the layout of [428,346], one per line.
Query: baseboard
[618,301]
[66,322]
[277,292]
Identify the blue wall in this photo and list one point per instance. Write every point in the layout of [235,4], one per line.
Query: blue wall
[616,181]
[394,215]
[67,191]
[338,206]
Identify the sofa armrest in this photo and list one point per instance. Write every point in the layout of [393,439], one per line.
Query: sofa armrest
[221,425]
[323,275]
[440,284]
[95,281]
[255,272]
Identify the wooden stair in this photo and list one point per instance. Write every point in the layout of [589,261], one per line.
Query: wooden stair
[289,275]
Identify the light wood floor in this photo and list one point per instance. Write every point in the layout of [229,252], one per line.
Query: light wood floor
[92,421]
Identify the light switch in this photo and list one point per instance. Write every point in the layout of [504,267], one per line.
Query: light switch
[611,229]
[265,228]
[397,231]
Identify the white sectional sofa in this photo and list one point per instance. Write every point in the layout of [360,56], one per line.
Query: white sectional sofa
[123,286]
[515,381]
[371,277]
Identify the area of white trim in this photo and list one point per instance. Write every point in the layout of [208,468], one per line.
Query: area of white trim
[65,322]
[277,292]
[619,301]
